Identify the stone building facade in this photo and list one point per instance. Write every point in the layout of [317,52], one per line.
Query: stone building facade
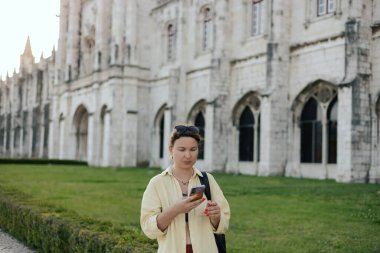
[277,87]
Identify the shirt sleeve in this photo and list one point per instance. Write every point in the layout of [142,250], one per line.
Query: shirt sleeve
[150,208]
[218,197]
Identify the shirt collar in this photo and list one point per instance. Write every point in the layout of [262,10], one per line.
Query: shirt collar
[169,171]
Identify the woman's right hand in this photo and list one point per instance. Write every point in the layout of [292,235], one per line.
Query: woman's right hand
[183,206]
[188,204]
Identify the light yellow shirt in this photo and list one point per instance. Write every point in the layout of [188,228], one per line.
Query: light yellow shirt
[162,192]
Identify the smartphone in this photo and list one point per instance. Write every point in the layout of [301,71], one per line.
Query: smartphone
[198,190]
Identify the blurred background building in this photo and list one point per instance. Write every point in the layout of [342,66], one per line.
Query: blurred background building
[276,87]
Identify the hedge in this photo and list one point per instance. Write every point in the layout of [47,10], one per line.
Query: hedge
[40,161]
[50,229]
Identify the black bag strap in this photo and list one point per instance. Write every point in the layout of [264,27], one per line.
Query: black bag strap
[204,181]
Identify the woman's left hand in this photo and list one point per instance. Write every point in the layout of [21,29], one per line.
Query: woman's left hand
[213,212]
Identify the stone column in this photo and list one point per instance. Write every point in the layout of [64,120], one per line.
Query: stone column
[41,141]
[130,155]
[118,30]
[131,27]
[209,137]
[274,120]
[265,144]
[71,69]
[102,34]
[354,138]
[90,139]
[166,161]
[106,138]
[61,151]
[62,43]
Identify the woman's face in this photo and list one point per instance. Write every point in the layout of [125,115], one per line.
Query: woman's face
[184,152]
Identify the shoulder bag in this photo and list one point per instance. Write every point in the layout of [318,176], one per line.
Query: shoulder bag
[219,238]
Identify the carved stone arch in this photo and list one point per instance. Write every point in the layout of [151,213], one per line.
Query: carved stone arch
[103,111]
[322,91]
[202,6]
[159,131]
[252,100]
[80,122]
[61,116]
[160,113]
[198,107]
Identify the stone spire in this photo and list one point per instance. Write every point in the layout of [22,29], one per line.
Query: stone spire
[28,48]
[27,58]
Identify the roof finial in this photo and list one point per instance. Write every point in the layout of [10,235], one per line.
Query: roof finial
[28,48]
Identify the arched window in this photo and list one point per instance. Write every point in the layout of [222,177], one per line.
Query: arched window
[207,29]
[256,13]
[171,42]
[200,123]
[81,129]
[332,119]
[311,132]
[161,133]
[246,135]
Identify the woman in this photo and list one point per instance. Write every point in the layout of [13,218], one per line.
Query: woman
[178,221]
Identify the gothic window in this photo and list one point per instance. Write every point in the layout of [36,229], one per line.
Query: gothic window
[311,132]
[200,123]
[246,135]
[161,135]
[325,7]
[81,129]
[256,12]
[207,29]
[171,38]
[332,119]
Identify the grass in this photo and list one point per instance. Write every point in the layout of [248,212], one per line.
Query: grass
[272,214]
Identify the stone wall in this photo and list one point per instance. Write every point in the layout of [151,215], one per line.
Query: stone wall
[118,74]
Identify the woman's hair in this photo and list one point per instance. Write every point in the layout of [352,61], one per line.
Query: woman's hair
[184,131]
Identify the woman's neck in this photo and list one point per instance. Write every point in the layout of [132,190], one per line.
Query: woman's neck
[182,174]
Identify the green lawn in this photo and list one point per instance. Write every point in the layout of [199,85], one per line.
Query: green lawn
[272,214]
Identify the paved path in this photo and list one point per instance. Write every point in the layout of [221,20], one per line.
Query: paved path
[10,245]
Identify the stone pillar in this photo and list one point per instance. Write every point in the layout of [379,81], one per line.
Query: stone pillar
[354,121]
[30,148]
[102,34]
[71,69]
[130,156]
[344,150]
[62,43]
[274,153]
[209,144]
[265,143]
[106,138]
[132,13]
[166,161]
[52,133]
[90,139]
[41,141]
[118,30]
[61,151]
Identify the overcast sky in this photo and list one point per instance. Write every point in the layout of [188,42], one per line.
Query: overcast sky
[20,19]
